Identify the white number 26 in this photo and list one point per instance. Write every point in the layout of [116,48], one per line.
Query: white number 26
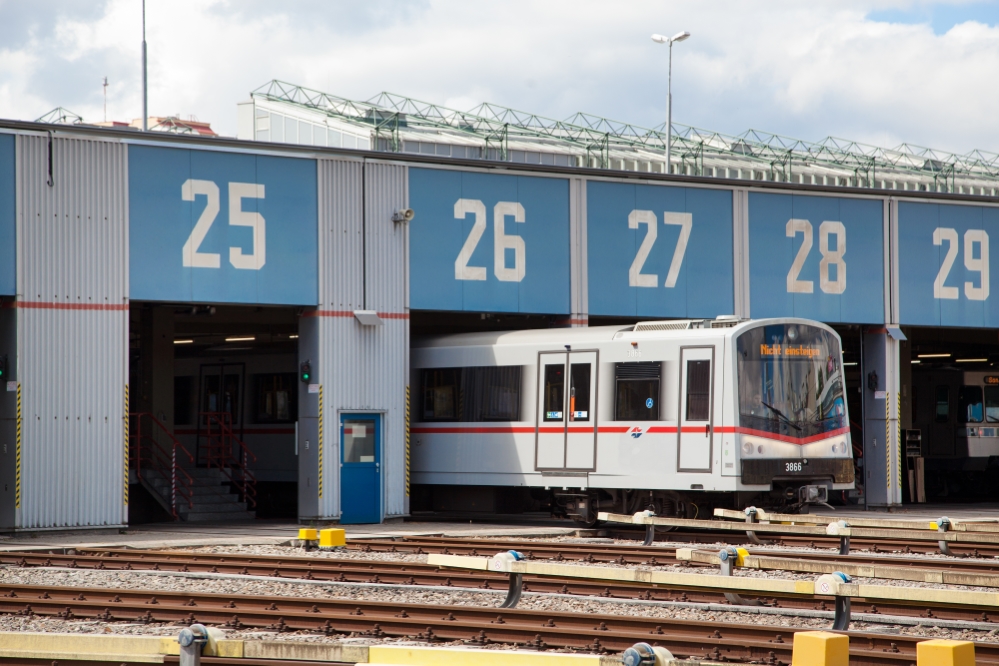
[502,241]
[192,257]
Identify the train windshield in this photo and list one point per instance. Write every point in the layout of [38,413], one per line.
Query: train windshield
[790,381]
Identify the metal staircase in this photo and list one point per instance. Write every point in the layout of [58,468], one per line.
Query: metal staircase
[189,493]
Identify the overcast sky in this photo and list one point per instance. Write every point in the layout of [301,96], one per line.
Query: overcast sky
[880,72]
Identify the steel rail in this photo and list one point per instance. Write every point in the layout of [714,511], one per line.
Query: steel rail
[428,622]
[635,553]
[414,573]
[83,660]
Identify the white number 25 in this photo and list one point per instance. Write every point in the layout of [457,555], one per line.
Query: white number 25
[192,257]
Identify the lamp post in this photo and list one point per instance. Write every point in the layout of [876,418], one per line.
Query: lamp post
[660,39]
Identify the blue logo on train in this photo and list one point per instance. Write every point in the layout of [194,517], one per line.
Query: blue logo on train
[649,403]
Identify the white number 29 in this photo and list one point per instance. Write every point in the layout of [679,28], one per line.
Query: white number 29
[192,257]
[979,264]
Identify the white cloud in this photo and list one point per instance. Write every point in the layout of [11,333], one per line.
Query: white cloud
[799,69]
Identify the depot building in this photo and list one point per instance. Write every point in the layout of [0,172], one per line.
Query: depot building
[194,327]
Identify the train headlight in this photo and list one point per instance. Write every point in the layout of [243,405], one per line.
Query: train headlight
[747,448]
[839,447]
[760,449]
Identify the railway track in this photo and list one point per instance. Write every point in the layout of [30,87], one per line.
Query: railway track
[633,554]
[542,630]
[412,573]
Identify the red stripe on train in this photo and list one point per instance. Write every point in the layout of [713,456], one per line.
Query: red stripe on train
[548,430]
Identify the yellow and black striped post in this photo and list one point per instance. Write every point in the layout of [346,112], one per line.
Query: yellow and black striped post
[407,440]
[17,455]
[888,445]
[320,482]
[899,439]
[126,445]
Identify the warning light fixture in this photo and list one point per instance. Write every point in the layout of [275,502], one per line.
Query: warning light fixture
[306,372]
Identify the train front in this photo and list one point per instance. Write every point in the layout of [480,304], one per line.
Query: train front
[793,426]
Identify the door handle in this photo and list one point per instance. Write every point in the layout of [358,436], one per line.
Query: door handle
[707,430]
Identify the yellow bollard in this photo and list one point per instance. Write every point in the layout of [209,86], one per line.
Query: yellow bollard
[307,534]
[939,652]
[820,648]
[332,538]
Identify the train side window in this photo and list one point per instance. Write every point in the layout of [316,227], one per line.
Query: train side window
[554,392]
[637,391]
[277,398]
[699,390]
[441,394]
[495,392]
[943,404]
[579,392]
[992,404]
[969,404]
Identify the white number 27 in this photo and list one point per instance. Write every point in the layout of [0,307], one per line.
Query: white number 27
[192,257]
[636,278]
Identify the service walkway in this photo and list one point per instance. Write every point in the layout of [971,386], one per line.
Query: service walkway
[262,532]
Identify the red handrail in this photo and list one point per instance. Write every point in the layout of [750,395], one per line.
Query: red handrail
[148,451]
[229,454]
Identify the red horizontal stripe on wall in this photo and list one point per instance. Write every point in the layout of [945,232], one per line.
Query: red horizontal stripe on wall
[45,305]
[243,433]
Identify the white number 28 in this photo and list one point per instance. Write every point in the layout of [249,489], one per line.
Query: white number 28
[830,258]
[192,257]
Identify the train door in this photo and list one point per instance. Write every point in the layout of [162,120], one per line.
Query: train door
[567,419]
[221,389]
[695,425]
[360,469]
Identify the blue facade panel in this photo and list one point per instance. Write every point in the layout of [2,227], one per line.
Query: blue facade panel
[220,227]
[816,257]
[461,218]
[8,204]
[943,265]
[638,264]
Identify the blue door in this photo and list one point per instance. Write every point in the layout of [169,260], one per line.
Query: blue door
[360,469]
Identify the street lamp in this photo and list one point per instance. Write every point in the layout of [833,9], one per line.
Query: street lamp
[660,39]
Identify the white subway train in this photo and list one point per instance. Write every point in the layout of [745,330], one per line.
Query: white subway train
[679,415]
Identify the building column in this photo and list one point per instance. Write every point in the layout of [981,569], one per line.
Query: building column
[883,462]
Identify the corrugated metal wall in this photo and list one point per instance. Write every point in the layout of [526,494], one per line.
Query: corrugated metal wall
[387,273]
[363,266]
[72,329]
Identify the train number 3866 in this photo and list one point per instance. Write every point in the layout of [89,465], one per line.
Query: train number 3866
[792,467]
